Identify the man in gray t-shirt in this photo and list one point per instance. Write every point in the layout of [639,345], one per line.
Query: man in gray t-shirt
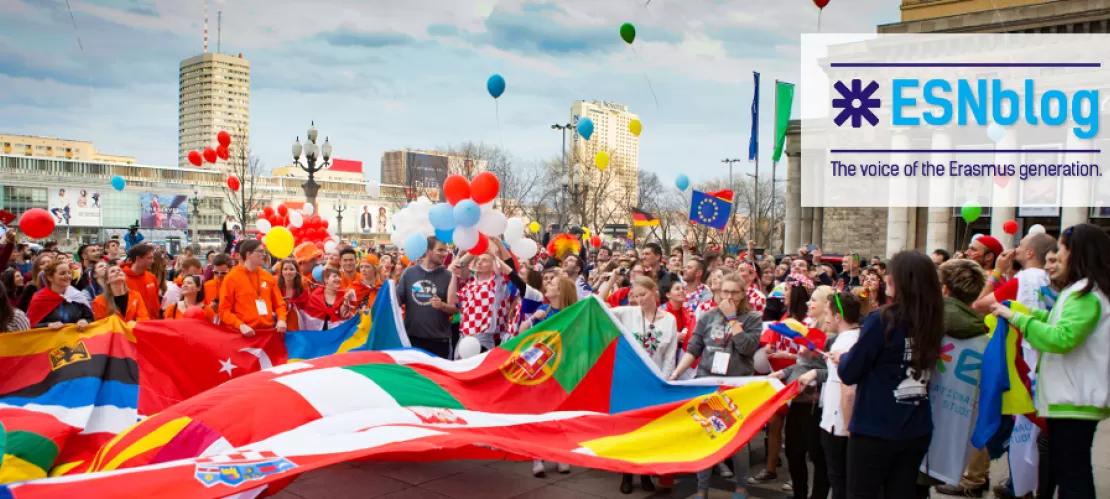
[427,293]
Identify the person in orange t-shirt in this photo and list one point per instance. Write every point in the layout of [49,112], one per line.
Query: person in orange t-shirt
[139,259]
[192,295]
[348,269]
[249,296]
[118,299]
[221,265]
[368,284]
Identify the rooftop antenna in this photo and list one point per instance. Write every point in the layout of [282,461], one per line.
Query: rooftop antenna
[219,29]
[205,26]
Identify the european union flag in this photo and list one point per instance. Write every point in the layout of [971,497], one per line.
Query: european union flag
[711,208]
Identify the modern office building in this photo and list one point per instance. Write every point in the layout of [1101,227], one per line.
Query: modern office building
[214,96]
[612,135]
[423,172]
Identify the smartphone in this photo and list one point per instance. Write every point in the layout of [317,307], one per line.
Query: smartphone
[811,247]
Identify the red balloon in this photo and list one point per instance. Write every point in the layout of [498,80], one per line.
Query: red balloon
[820,3]
[484,188]
[595,241]
[1010,227]
[481,246]
[324,224]
[233,183]
[223,138]
[210,155]
[268,211]
[259,236]
[195,312]
[195,159]
[456,189]
[283,210]
[223,153]
[36,223]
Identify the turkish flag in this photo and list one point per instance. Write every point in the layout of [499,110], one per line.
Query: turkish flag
[183,357]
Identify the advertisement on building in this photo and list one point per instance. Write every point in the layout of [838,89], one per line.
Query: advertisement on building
[78,207]
[163,211]
[425,170]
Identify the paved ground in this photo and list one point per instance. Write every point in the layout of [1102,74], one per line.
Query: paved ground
[514,480]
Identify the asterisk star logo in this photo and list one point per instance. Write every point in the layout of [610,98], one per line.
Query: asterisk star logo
[856,103]
[227,366]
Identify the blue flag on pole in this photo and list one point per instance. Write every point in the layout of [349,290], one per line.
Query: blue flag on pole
[753,142]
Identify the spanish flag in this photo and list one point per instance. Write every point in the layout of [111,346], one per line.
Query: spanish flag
[641,218]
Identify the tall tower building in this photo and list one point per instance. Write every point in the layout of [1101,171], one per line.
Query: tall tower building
[215,95]
[611,134]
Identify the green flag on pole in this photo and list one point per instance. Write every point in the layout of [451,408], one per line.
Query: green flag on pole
[784,97]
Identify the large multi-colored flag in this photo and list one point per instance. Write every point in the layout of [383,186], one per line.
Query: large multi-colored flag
[711,208]
[63,394]
[575,389]
[1004,385]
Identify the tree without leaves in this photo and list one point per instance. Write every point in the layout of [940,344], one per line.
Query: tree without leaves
[244,204]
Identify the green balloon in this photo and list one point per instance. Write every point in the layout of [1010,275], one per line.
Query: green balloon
[971,211]
[628,33]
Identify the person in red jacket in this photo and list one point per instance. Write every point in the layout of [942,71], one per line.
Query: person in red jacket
[139,279]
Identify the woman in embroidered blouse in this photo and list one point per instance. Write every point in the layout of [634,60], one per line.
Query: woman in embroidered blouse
[654,330]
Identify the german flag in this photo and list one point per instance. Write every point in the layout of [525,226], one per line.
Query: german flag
[641,218]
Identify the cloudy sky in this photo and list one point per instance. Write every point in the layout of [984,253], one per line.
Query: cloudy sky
[378,75]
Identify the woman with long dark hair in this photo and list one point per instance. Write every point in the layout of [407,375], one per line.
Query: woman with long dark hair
[12,279]
[11,318]
[37,280]
[291,284]
[892,420]
[1073,377]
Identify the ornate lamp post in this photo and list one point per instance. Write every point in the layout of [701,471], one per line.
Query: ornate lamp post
[577,188]
[310,166]
[339,209]
[195,203]
[563,133]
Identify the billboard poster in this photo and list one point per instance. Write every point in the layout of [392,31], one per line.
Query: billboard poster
[75,207]
[163,211]
[374,218]
[425,170]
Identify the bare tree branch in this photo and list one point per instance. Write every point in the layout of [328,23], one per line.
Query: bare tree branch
[244,204]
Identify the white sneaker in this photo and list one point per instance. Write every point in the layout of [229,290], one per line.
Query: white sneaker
[788,487]
[538,470]
[723,470]
[564,468]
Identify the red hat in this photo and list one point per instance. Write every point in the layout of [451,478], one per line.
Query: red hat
[991,243]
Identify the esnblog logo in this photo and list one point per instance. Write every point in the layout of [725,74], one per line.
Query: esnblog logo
[856,103]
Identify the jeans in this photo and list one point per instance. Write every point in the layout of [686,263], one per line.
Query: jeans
[1069,453]
[1046,481]
[836,456]
[802,439]
[884,468]
[739,467]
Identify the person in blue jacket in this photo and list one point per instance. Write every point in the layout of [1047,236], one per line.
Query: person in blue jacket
[890,364]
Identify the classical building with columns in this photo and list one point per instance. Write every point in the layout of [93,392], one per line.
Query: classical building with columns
[885,231]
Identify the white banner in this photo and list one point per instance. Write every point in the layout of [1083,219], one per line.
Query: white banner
[75,207]
[954,395]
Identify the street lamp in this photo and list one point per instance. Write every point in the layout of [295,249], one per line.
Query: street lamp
[311,150]
[577,188]
[195,202]
[563,132]
[339,209]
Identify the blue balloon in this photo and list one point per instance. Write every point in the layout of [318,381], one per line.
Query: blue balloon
[415,245]
[445,236]
[442,217]
[318,273]
[682,182]
[586,128]
[467,213]
[118,183]
[495,85]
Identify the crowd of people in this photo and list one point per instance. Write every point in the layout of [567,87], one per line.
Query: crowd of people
[874,329]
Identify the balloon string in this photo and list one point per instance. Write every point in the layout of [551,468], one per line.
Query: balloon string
[819,11]
[497,113]
[644,64]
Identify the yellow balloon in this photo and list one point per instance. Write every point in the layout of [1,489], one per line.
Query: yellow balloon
[601,160]
[279,242]
[534,227]
[635,127]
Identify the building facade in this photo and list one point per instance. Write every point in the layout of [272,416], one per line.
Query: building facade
[612,135]
[885,231]
[50,147]
[423,172]
[340,169]
[214,96]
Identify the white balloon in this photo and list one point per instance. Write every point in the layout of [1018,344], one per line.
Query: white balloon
[523,248]
[1037,229]
[308,209]
[514,228]
[397,238]
[295,219]
[492,223]
[762,363]
[330,246]
[468,347]
[263,225]
[465,237]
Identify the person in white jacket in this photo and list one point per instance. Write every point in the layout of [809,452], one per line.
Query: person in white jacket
[1073,375]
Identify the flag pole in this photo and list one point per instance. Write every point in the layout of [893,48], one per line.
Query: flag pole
[774,166]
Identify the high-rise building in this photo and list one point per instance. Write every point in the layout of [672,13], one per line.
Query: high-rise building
[215,95]
[611,134]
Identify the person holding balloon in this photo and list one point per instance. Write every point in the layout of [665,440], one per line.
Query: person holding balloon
[481,295]
[117,299]
[191,305]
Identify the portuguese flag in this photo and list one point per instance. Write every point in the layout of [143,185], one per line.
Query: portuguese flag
[573,389]
[641,218]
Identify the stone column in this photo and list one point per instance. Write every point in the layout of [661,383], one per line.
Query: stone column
[807,228]
[938,231]
[793,226]
[898,217]
[1076,187]
[818,226]
[1005,199]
